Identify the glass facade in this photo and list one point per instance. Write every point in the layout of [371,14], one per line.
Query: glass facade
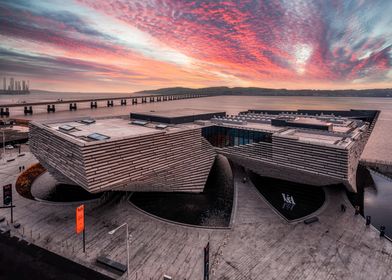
[227,137]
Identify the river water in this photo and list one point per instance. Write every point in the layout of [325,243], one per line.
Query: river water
[379,146]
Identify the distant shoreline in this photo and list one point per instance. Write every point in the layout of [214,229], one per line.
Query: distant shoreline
[14,92]
[238,91]
[252,91]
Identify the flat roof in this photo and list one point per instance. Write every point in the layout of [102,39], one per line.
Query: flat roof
[177,116]
[105,129]
[265,127]
[343,133]
[112,128]
[310,121]
[181,112]
[331,139]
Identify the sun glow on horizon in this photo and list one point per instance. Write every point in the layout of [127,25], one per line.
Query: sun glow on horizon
[122,46]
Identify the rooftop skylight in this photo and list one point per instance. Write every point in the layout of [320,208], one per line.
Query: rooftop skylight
[66,127]
[87,121]
[97,136]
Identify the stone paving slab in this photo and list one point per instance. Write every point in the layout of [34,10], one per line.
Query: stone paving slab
[260,244]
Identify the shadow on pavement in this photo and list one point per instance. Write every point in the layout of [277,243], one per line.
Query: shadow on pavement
[20,260]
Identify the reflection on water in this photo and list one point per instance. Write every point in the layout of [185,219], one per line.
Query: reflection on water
[210,208]
[292,200]
[374,197]
[377,202]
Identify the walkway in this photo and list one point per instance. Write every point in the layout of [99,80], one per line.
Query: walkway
[261,245]
[340,246]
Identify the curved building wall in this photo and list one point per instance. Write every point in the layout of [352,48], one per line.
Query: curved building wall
[63,159]
[177,161]
[289,159]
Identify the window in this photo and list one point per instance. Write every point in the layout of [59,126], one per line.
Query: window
[225,137]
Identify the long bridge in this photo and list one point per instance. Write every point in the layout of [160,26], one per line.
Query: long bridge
[110,102]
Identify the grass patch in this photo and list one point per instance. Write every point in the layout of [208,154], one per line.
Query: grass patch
[26,179]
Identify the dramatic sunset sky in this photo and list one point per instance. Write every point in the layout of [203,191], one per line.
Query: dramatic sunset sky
[123,46]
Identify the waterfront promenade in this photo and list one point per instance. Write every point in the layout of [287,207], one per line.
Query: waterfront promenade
[259,245]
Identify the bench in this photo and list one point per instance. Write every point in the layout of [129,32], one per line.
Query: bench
[112,264]
[311,220]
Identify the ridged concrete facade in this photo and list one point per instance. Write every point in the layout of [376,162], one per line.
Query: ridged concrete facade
[289,159]
[178,158]
[177,161]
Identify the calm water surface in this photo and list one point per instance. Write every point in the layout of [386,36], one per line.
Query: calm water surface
[379,145]
[378,202]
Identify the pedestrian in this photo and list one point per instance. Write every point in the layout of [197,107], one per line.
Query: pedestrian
[357,209]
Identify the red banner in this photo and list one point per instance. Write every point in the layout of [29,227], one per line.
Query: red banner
[80,219]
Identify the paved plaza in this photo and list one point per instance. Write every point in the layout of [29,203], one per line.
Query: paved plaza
[259,245]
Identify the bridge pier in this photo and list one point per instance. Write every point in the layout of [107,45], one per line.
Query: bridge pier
[123,102]
[165,98]
[159,98]
[152,99]
[93,104]
[144,99]
[110,103]
[51,108]
[28,110]
[4,112]
[134,101]
[73,106]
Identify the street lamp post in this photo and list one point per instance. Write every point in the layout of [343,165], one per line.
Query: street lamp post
[126,240]
[3,144]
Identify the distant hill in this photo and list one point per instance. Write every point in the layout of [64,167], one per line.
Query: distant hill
[270,92]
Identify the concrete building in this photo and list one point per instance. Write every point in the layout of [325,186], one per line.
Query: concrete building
[304,147]
[119,154]
[173,151]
